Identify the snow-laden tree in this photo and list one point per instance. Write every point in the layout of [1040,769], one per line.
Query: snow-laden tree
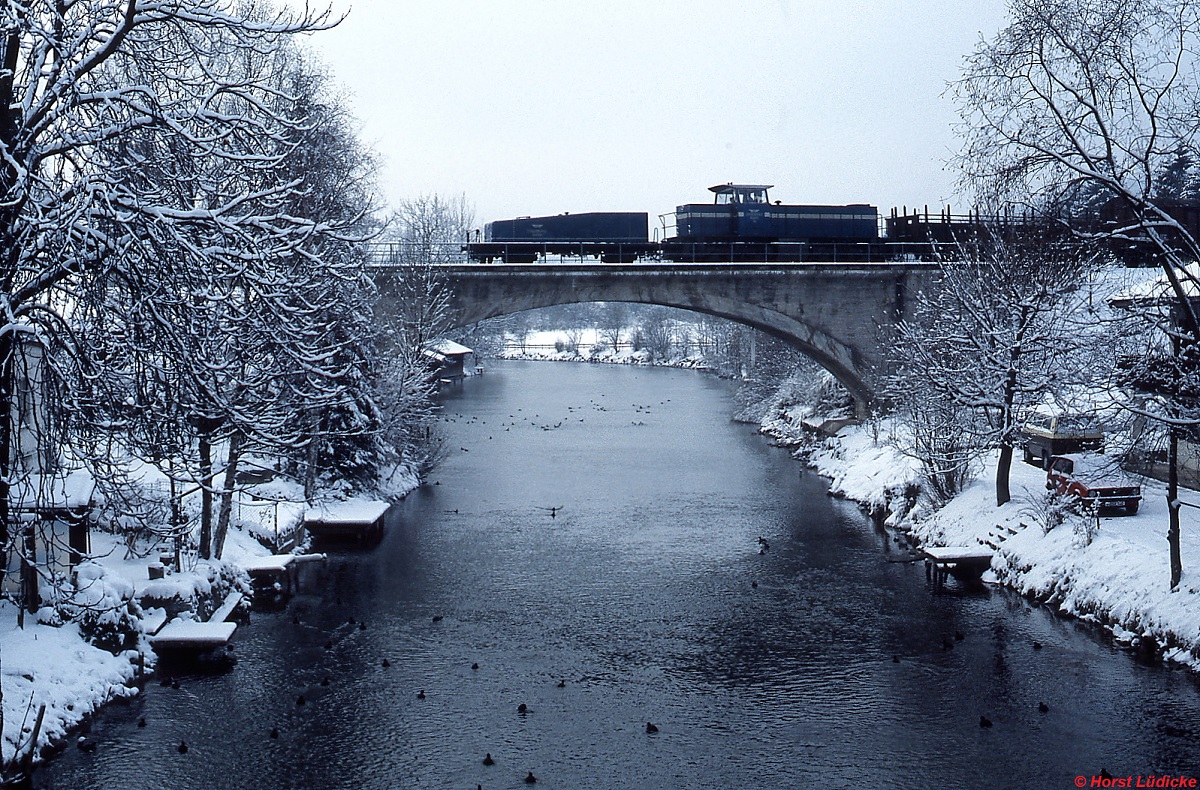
[251,352]
[994,338]
[332,293]
[425,233]
[91,93]
[415,314]
[1101,98]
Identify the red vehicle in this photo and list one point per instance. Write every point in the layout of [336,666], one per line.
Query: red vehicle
[1095,479]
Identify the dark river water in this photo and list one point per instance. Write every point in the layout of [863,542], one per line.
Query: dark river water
[637,603]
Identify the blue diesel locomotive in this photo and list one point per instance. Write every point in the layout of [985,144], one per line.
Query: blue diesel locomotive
[740,225]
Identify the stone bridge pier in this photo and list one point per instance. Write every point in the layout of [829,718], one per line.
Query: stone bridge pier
[835,313]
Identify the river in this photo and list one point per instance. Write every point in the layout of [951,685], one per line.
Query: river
[643,596]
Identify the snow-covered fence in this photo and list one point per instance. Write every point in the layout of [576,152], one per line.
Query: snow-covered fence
[277,524]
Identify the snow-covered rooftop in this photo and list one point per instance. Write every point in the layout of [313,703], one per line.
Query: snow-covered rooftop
[69,491]
[449,348]
[355,511]
[1158,290]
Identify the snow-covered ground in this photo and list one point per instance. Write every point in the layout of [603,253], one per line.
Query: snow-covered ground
[55,667]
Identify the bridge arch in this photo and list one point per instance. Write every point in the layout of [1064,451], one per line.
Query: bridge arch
[823,349]
[833,313]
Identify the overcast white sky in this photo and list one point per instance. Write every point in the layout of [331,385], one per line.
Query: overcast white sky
[534,107]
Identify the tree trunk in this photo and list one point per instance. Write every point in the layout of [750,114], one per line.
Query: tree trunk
[1173,506]
[206,503]
[7,414]
[3,767]
[29,578]
[177,520]
[1003,468]
[1004,465]
[310,459]
[227,489]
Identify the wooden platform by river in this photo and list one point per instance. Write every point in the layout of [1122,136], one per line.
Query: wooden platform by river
[355,520]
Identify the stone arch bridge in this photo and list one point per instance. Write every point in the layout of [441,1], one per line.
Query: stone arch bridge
[833,312]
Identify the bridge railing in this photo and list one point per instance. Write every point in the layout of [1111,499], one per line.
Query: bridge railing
[403,253]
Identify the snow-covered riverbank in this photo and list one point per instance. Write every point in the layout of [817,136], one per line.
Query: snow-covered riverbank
[587,346]
[51,664]
[1116,575]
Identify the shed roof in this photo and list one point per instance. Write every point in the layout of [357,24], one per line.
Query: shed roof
[54,492]
[1159,290]
[449,347]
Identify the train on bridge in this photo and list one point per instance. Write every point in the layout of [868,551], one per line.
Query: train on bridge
[742,224]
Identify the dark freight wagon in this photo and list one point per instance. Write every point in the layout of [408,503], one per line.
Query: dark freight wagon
[618,226]
[612,236]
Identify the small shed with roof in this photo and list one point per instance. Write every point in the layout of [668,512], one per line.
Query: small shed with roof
[448,360]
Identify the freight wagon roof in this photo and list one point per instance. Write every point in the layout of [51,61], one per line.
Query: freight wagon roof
[578,214]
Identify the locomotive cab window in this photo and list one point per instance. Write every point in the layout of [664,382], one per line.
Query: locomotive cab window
[729,194]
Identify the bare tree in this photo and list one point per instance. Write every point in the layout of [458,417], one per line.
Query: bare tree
[518,326]
[657,335]
[992,338]
[614,318]
[432,229]
[1099,96]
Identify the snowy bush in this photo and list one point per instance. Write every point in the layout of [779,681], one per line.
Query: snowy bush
[1048,511]
[1085,524]
[196,593]
[103,605]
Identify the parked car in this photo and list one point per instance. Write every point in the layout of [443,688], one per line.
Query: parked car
[1047,435]
[1095,480]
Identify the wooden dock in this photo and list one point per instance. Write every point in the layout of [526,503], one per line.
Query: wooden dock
[278,570]
[356,520]
[193,636]
[963,562]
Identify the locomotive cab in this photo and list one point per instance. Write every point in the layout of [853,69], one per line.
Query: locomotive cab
[738,213]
